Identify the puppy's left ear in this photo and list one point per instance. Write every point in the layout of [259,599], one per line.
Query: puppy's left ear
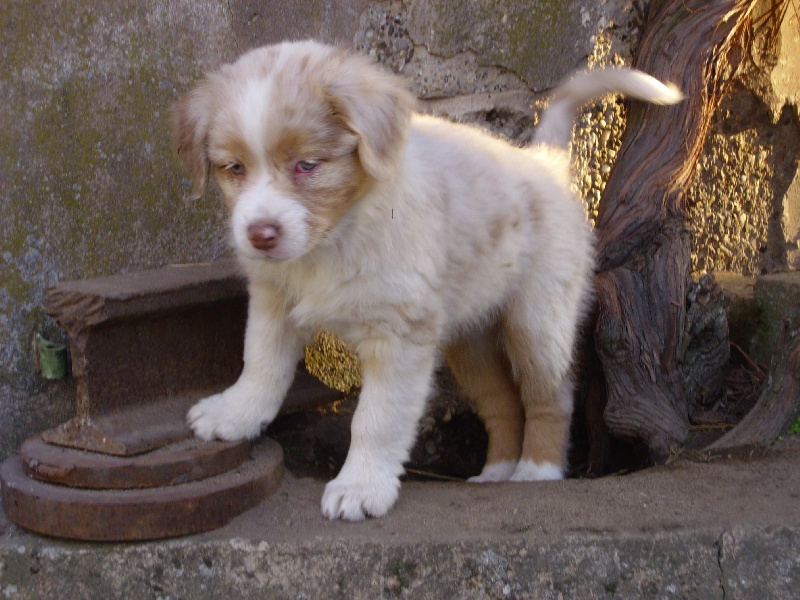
[374,105]
[191,116]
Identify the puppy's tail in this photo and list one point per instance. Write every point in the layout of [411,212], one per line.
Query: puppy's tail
[555,127]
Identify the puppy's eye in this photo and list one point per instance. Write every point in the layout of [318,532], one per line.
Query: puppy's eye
[236,169]
[306,166]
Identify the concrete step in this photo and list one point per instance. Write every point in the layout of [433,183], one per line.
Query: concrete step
[704,526]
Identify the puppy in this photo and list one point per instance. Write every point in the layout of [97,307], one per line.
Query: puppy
[408,236]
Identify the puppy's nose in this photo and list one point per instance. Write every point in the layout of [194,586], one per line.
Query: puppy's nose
[263,235]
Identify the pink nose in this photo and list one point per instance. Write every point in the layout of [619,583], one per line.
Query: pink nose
[263,235]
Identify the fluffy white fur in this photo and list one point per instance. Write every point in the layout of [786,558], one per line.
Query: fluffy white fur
[406,235]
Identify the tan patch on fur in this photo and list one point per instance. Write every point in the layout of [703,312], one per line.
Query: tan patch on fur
[301,127]
[546,421]
[546,434]
[330,106]
[373,105]
[537,385]
[195,113]
[421,325]
[190,117]
[485,376]
[230,148]
[334,186]
[496,231]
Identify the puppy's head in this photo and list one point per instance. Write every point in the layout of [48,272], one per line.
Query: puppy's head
[294,135]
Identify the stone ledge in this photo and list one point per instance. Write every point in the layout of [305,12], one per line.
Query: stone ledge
[714,528]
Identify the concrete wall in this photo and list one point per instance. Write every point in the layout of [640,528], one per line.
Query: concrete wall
[748,182]
[89,185]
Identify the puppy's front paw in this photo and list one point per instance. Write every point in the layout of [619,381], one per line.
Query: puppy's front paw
[353,498]
[225,416]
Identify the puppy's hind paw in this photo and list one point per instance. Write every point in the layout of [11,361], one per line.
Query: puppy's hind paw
[224,417]
[356,500]
[499,471]
[528,470]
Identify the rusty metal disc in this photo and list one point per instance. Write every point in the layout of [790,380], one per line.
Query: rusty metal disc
[140,514]
[174,464]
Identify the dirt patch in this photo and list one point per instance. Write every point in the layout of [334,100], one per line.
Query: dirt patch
[451,442]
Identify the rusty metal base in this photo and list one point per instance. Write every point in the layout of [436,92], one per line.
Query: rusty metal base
[140,514]
[181,462]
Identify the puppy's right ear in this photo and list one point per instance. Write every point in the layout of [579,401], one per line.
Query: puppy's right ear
[374,105]
[191,117]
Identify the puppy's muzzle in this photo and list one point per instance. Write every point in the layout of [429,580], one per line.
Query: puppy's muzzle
[264,235]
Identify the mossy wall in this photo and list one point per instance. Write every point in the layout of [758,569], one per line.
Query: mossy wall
[89,184]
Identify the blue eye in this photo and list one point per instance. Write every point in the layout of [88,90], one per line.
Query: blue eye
[306,166]
[236,168]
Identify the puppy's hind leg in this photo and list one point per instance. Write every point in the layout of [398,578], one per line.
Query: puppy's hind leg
[540,351]
[481,369]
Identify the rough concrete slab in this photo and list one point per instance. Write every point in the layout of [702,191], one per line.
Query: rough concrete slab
[740,306]
[726,527]
[541,42]
[777,296]
[259,22]
[762,564]
[790,222]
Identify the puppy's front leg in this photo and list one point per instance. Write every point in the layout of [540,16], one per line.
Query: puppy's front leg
[396,381]
[272,348]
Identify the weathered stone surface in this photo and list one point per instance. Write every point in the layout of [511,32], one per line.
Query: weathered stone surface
[715,528]
[740,306]
[777,297]
[748,159]
[784,80]
[508,113]
[746,191]
[761,564]
[259,22]
[89,185]
[671,566]
[541,42]
[790,220]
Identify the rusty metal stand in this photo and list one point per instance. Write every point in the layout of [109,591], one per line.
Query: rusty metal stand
[144,348]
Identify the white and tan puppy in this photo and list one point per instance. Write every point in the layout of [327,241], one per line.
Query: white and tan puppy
[409,237]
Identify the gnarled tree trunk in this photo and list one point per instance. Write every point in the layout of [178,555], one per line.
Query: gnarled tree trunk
[643,226]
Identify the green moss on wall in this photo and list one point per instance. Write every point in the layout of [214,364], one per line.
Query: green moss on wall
[90,185]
